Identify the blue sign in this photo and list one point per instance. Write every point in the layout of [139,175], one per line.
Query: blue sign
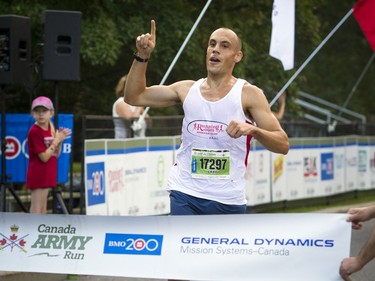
[95,181]
[133,244]
[327,166]
[17,155]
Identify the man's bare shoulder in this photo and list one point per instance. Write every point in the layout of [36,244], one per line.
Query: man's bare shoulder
[250,88]
[182,88]
[252,92]
[183,84]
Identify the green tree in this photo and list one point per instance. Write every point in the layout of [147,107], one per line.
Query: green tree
[109,29]
[108,34]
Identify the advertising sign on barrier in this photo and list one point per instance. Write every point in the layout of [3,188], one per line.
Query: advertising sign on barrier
[294,174]
[364,173]
[278,177]
[327,171]
[131,173]
[339,169]
[351,167]
[129,198]
[372,166]
[159,165]
[17,128]
[258,181]
[311,172]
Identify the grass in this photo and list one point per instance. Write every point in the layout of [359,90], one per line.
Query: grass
[77,167]
[316,204]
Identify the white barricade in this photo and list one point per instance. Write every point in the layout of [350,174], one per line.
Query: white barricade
[128,177]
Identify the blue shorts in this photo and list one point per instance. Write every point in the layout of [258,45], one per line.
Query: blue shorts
[184,204]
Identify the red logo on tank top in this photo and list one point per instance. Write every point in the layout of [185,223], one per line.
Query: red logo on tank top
[207,129]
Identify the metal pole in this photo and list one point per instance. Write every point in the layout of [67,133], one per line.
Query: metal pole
[310,57]
[56,121]
[4,176]
[357,83]
[3,156]
[57,198]
[185,42]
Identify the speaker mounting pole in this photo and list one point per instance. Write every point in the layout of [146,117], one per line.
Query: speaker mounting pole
[56,195]
[3,149]
[4,177]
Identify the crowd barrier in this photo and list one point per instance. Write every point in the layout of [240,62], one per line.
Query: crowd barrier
[128,177]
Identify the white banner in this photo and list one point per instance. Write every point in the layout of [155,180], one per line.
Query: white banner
[229,247]
[282,35]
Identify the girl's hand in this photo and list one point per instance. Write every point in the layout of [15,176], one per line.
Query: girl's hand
[62,134]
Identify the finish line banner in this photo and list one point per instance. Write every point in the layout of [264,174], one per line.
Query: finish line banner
[227,247]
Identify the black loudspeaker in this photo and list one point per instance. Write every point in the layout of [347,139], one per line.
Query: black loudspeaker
[15,41]
[61,48]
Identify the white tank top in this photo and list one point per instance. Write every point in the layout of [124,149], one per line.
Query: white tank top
[121,132]
[209,163]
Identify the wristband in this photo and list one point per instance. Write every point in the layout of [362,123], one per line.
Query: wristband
[138,58]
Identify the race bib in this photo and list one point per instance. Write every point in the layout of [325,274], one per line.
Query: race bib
[210,163]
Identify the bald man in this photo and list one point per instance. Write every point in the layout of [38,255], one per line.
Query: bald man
[222,113]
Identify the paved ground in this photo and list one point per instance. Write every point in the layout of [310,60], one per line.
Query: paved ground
[358,239]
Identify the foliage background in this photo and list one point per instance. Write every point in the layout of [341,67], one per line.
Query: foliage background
[109,29]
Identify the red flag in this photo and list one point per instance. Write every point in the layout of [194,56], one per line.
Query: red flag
[364,12]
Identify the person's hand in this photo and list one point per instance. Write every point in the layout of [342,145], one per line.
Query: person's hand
[358,215]
[282,98]
[237,129]
[62,134]
[146,43]
[349,266]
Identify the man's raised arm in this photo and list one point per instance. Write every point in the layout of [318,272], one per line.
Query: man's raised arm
[136,81]
[136,92]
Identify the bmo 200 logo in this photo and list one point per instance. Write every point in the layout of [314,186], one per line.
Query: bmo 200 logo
[133,244]
[13,147]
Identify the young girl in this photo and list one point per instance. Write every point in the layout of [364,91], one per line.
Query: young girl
[44,144]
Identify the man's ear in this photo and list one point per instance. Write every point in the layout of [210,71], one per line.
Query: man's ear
[238,57]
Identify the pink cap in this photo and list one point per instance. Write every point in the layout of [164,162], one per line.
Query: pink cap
[42,101]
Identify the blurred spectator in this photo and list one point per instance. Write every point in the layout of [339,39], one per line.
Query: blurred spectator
[121,110]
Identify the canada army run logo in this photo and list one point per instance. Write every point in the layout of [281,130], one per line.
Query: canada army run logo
[13,241]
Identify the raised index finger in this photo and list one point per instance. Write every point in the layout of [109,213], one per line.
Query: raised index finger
[153,28]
